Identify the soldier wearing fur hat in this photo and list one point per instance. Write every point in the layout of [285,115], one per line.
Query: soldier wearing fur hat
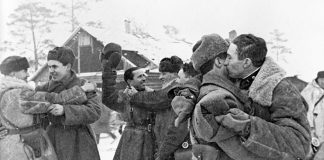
[69,129]
[216,97]
[234,125]
[314,96]
[170,139]
[274,124]
[20,106]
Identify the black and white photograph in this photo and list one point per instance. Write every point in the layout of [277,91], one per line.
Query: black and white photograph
[161,80]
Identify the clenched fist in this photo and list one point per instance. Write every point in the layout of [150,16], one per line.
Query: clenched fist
[111,55]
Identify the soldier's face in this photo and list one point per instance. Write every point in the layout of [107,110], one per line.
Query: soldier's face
[22,74]
[57,70]
[139,79]
[234,66]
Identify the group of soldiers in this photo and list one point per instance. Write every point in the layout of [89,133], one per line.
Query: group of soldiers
[231,102]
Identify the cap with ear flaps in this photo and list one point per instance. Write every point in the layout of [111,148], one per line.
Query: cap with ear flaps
[208,48]
[172,64]
[320,74]
[13,64]
[62,54]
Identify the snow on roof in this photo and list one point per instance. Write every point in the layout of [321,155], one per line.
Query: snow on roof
[153,48]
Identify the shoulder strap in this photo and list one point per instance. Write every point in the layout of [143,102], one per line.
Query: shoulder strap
[319,100]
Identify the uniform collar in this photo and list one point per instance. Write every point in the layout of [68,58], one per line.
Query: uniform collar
[246,82]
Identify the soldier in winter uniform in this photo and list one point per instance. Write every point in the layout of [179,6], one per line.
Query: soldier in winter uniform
[314,96]
[137,104]
[170,139]
[270,124]
[20,105]
[69,129]
[217,95]
[275,124]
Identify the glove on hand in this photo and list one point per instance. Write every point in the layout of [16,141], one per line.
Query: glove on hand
[112,62]
[214,103]
[111,55]
[183,107]
[236,120]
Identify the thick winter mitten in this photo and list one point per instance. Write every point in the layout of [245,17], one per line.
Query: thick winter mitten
[74,95]
[30,107]
[237,121]
[214,103]
[111,55]
[183,107]
[113,61]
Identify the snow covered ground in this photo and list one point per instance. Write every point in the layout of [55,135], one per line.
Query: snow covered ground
[107,146]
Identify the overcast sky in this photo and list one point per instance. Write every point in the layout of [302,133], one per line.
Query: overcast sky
[302,21]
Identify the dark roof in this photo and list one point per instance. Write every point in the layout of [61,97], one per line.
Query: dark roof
[136,58]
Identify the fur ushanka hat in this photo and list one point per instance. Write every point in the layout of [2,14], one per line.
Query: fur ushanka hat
[172,65]
[320,74]
[13,64]
[208,48]
[62,54]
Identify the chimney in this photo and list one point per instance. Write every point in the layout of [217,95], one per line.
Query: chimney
[127,26]
[232,35]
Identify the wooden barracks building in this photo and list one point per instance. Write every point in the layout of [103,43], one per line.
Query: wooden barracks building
[87,49]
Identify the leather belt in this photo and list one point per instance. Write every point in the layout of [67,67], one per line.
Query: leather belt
[140,127]
[23,130]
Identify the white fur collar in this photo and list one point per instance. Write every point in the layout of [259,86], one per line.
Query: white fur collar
[7,82]
[315,84]
[270,74]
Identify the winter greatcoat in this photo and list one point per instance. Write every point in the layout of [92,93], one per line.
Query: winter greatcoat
[70,134]
[18,99]
[313,94]
[285,134]
[138,139]
[279,127]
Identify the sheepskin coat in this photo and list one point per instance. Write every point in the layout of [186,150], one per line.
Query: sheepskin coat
[19,104]
[217,95]
[285,133]
[279,127]
[12,146]
[71,134]
[312,94]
